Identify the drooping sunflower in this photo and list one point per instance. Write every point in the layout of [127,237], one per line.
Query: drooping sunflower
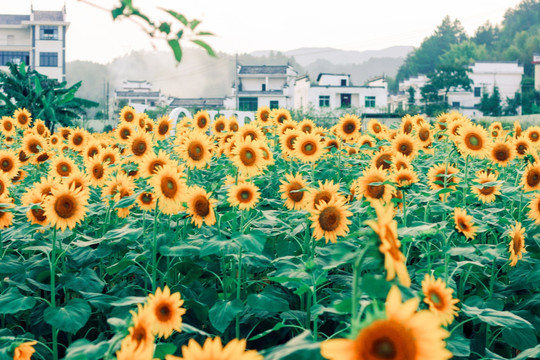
[531,177]
[123,132]
[331,220]
[7,126]
[306,125]
[371,185]
[517,244]
[9,163]
[149,126]
[263,116]
[473,140]
[140,144]
[533,134]
[245,195]
[386,229]
[288,140]
[464,223]
[407,124]
[24,351]
[308,147]
[219,125]
[486,190]
[64,132]
[402,333]
[382,158]
[406,145]
[324,192]
[66,207]
[91,149]
[146,201]
[268,157]
[233,124]
[23,118]
[400,162]
[247,157]
[212,349]
[167,311]
[40,128]
[6,216]
[349,127]
[62,166]
[517,129]
[78,139]
[404,178]
[196,150]
[170,189]
[294,191]
[278,116]
[454,126]
[502,152]
[139,343]
[78,179]
[366,142]
[128,114]
[424,135]
[252,131]
[286,126]
[331,144]
[201,121]
[200,206]
[443,176]
[440,300]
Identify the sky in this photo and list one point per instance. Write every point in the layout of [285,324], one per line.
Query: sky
[243,26]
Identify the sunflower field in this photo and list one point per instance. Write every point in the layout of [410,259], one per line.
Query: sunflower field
[278,239]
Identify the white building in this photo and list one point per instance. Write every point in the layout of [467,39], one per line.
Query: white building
[401,99]
[38,39]
[333,91]
[485,75]
[264,85]
[536,63]
[139,94]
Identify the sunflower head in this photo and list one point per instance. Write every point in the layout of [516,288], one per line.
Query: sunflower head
[294,191]
[7,126]
[263,115]
[349,127]
[23,118]
[406,145]
[201,121]
[464,223]
[66,206]
[517,243]
[439,299]
[166,310]
[279,116]
[245,195]
[128,114]
[331,219]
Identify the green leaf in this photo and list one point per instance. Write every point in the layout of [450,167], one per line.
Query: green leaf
[223,312]
[13,301]
[163,350]
[497,318]
[267,302]
[204,45]
[521,339]
[529,354]
[177,16]
[204,33]
[69,318]
[194,23]
[117,12]
[129,300]
[300,347]
[165,28]
[459,345]
[175,47]
[83,349]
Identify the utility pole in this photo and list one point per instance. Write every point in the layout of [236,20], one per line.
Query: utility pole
[107,102]
[236,82]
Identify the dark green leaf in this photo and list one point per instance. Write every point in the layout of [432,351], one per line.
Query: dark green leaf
[83,349]
[521,339]
[13,301]
[165,28]
[178,16]
[497,318]
[117,12]
[267,302]
[204,45]
[69,318]
[223,312]
[194,23]
[177,50]
[204,33]
[163,350]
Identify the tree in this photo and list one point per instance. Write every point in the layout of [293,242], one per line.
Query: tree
[45,98]
[433,102]
[464,54]
[487,35]
[512,105]
[490,105]
[411,101]
[448,77]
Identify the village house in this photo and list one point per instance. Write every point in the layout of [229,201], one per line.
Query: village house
[139,94]
[37,39]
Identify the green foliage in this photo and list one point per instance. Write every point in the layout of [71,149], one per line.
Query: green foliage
[490,105]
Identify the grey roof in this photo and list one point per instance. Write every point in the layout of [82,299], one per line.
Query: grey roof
[48,16]
[13,19]
[132,93]
[321,74]
[263,70]
[198,102]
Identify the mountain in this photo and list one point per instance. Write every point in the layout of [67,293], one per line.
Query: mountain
[307,56]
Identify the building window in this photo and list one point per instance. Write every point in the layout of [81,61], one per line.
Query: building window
[15,57]
[369,101]
[47,32]
[343,82]
[324,101]
[477,92]
[274,104]
[48,59]
[456,104]
[248,104]
[263,87]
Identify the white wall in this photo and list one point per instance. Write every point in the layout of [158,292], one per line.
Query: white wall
[301,93]
[358,96]
[50,46]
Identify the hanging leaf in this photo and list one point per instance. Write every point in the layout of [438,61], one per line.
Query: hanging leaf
[223,312]
[13,301]
[69,318]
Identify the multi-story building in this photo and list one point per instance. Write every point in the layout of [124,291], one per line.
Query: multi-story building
[139,94]
[332,91]
[38,40]
[536,63]
[264,85]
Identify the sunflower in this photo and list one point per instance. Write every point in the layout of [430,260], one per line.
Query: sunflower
[306,125]
[325,192]
[124,132]
[288,140]
[464,223]
[371,185]
[62,166]
[404,178]
[375,127]
[78,179]
[128,114]
[24,351]
[245,195]
[140,144]
[407,124]
[279,116]
[139,343]
[423,135]
[9,163]
[517,244]
[6,216]
[517,129]
[56,141]
[91,149]
[308,147]
[382,158]
[149,126]
[294,191]
[201,121]
[65,207]
[486,193]
[36,214]
[77,139]
[402,333]
[331,144]
[46,185]
[109,155]
[502,152]
[263,115]
[151,163]
[523,146]
[443,176]
[32,144]
[212,349]
[534,206]
[533,134]
[286,126]
[400,162]
[252,131]
[64,132]
[7,126]
[5,183]
[169,187]
[146,201]
[454,125]
[40,128]
[439,298]
[97,171]
[233,124]
[331,220]
[196,150]
[386,229]
[473,140]
[220,125]
[247,157]
[200,206]
[349,127]
[406,145]
[42,157]
[531,177]
[23,118]
[167,311]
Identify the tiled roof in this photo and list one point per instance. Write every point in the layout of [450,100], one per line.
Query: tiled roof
[48,16]
[263,70]
[198,102]
[132,93]
[321,74]
[13,19]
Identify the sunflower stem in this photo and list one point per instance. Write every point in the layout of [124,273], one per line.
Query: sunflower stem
[154,249]
[492,278]
[355,289]
[238,289]
[519,207]
[465,181]
[53,293]
[404,209]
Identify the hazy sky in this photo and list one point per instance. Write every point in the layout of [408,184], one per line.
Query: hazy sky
[250,25]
